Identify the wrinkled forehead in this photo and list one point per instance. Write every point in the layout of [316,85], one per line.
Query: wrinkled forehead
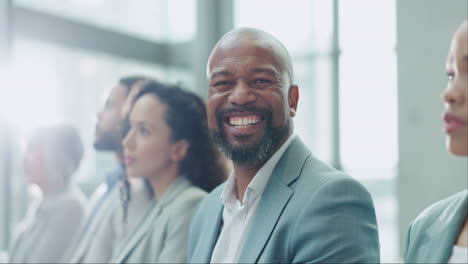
[262,48]
[243,48]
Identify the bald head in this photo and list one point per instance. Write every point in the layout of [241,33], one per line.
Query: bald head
[255,39]
[251,96]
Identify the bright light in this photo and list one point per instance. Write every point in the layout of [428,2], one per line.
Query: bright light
[368,85]
[30,95]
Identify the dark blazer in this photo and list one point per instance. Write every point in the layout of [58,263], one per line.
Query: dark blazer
[431,236]
[308,213]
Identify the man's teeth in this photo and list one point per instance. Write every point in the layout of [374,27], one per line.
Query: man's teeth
[243,121]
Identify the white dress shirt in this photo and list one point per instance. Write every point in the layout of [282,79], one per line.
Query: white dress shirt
[237,216]
[459,255]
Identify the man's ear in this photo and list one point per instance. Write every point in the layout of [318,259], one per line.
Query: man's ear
[293,98]
[179,150]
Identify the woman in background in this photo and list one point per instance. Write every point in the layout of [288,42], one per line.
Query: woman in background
[440,233]
[53,154]
[167,144]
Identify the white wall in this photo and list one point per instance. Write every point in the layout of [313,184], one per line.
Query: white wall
[427,173]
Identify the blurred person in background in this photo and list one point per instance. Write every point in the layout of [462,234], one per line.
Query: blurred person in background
[53,154]
[440,233]
[167,144]
[107,139]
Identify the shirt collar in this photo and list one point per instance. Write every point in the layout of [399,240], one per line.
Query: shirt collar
[259,181]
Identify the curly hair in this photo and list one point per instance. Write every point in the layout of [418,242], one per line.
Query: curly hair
[186,117]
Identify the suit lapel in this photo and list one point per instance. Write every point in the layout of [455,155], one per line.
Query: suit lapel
[274,199]
[146,223]
[142,229]
[209,237]
[96,222]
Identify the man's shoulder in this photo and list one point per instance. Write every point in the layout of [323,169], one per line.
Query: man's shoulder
[72,200]
[320,186]
[298,164]
[317,174]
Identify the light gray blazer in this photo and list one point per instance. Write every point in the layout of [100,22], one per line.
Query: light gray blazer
[48,232]
[162,235]
[433,233]
[308,213]
[84,240]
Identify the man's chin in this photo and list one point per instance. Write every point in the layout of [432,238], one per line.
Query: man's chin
[244,152]
[251,149]
[104,146]
[244,141]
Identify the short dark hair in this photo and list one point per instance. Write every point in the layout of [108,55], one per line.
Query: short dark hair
[129,81]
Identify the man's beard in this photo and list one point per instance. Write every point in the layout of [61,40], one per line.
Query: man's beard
[259,152]
[106,142]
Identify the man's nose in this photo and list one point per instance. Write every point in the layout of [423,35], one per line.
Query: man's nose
[242,94]
[128,141]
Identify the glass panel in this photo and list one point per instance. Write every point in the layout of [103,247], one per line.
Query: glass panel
[306,26]
[368,108]
[157,20]
[367,24]
[313,121]
[368,101]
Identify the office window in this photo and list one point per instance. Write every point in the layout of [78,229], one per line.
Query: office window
[156,20]
[368,108]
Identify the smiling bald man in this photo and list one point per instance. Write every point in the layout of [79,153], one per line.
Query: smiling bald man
[280,204]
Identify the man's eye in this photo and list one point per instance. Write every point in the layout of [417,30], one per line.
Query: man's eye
[261,81]
[223,83]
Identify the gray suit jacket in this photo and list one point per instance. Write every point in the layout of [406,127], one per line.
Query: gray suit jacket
[431,236]
[50,230]
[161,236]
[309,213]
[103,200]
[84,239]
